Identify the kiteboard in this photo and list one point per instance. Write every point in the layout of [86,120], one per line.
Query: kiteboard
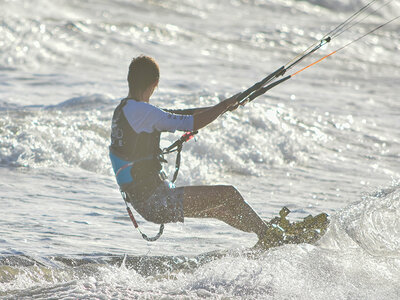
[281,231]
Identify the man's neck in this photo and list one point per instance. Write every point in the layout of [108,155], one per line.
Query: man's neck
[140,98]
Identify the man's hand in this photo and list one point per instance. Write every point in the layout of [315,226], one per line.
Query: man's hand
[232,102]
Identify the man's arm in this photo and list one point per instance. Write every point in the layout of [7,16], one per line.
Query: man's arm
[205,117]
[189,111]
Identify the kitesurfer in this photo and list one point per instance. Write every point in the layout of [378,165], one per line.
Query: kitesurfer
[135,156]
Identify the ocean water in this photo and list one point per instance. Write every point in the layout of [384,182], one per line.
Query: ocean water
[328,140]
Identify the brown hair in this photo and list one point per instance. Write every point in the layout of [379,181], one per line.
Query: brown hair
[143,72]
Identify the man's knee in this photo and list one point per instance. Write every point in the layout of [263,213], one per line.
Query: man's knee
[230,191]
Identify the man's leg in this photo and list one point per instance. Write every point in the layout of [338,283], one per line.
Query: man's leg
[223,203]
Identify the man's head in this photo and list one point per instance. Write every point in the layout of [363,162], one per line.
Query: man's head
[143,75]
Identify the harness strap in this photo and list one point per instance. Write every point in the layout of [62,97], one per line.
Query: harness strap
[123,168]
[130,164]
[177,147]
[177,162]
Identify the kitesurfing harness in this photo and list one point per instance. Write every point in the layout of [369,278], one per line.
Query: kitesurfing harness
[270,82]
[121,166]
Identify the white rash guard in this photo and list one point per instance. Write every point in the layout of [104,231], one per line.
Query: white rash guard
[144,117]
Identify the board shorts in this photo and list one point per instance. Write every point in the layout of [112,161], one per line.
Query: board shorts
[165,205]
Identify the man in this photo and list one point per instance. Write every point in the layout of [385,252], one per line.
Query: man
[135,155]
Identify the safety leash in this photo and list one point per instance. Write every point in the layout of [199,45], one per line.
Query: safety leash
[177,147]
[136,225]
